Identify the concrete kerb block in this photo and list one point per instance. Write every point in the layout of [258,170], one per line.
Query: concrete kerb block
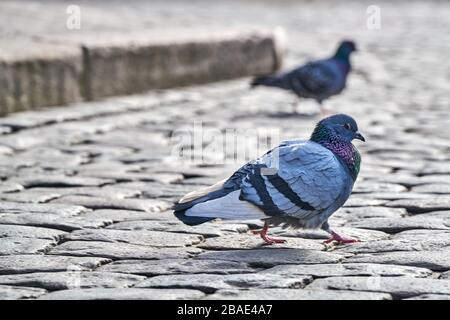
[35,74]
[123,65]
[56,70]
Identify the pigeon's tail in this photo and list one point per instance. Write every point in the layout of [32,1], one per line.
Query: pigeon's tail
[180,211]
[190,221]
[215,202]
[261,81]
[196,197]
[268,81]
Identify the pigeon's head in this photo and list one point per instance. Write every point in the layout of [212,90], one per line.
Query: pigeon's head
[345,49]
[339,127]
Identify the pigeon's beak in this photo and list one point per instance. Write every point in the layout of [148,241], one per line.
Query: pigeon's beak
[359,136]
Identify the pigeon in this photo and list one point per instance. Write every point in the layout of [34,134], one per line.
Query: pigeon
[318,80]
[298,184]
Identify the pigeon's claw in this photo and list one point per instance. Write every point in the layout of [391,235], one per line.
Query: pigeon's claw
[340,239]
[267,240]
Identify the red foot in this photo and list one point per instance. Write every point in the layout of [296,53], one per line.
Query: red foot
[267,240]
[340,239]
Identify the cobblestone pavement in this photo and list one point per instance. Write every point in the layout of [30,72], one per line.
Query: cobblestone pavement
[86,189]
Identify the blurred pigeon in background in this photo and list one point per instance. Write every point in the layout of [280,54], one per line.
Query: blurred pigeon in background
[318,80]
[298,184]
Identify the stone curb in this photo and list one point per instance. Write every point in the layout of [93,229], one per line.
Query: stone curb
[35,74]
[57,71]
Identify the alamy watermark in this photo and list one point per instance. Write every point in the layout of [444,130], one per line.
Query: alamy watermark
[199,144]
[74,277]
[373,21]
[73,21]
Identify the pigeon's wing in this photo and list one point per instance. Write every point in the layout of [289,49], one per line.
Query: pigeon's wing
[299,180]
[315,79]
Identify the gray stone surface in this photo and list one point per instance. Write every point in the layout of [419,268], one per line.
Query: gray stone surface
[371,187]
[206,230]
[210,283]
[251,241]
[177,266]
[107,191]
[7,230]
[411,181]
[389,196]
[296,294]
[14,293]
[144,238]
[363,235]
[363,202]
[59,209]
[14,264]
[393,245]
[434,260]
[117,250]
[10,187]
[422,205]
[124,294]
[30,196]
[442,215]
[129,215]
[22,245]
[273,256]
[61,181]
[362,213]
[134,176]
[348,269]
[53,221]
[398,287]
[441,236]
[435,188]
[445,275]
[396,225]
[430,297]
[148,205]
[71,280]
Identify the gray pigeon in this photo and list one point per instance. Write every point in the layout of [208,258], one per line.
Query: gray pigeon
[318,80]
[298,184]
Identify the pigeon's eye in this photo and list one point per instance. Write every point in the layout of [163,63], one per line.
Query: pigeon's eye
[347,126]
